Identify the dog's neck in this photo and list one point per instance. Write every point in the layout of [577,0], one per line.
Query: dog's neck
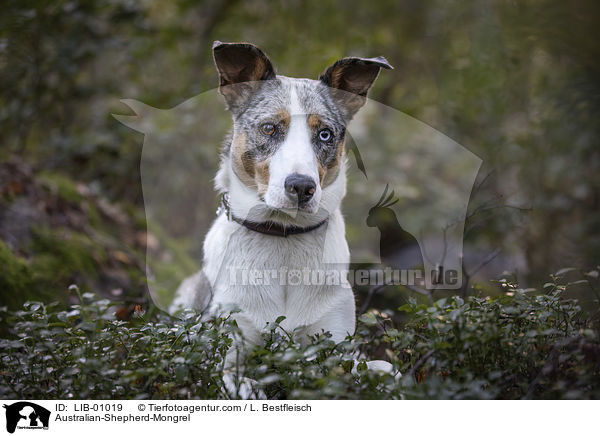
[271,228]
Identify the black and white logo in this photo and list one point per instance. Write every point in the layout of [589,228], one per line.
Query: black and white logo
[26,415]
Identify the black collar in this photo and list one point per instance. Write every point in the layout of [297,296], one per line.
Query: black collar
[268,227]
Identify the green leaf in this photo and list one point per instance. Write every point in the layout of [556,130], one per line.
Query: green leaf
[368,318]
[563,271]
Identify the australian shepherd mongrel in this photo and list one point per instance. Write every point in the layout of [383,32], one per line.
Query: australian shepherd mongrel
[282,179]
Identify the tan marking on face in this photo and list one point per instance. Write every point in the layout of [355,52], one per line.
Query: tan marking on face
[248,163]
[322,172]
[252,173]
[243,163]
[283,117]
[314,122]
[262,176]
[328,174]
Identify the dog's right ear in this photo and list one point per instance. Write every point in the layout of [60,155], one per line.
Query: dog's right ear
[240,67]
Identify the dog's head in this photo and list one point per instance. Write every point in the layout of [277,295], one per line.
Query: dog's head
[285,157]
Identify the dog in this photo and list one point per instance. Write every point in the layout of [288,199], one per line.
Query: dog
[282,178]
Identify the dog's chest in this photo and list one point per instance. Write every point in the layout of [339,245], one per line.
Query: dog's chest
[270,276]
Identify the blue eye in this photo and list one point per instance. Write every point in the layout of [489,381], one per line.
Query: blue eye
[325,135]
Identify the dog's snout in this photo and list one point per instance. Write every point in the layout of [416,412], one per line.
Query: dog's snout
[300,187]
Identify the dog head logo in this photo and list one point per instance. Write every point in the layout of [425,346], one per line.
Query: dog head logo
[26,415]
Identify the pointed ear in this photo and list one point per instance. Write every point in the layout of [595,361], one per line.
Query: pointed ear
[353,77]
[237,64]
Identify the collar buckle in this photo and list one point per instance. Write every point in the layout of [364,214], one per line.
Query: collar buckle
[224,206]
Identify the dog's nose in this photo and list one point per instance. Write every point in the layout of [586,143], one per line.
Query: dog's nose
[300,187]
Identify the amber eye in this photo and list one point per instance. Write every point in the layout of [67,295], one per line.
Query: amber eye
[267,129]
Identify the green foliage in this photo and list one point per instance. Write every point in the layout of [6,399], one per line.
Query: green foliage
[85,352]
[517,346]
[16,278]
[60,256]
[521,345]
[57,258]
[61,185]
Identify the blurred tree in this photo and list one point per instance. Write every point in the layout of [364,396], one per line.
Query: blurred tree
[515,82]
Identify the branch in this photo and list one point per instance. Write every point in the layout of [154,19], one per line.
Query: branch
[420,363]
[484,262]
[370,296]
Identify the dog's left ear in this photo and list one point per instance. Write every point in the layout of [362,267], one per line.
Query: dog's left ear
[240,66]
[353,77]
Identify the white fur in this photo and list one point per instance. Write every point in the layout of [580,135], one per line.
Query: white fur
[295,155]
[229,246]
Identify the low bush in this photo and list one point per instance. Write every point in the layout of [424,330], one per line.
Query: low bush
[523,344]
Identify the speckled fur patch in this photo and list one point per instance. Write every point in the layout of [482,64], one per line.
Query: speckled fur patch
[251,150]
